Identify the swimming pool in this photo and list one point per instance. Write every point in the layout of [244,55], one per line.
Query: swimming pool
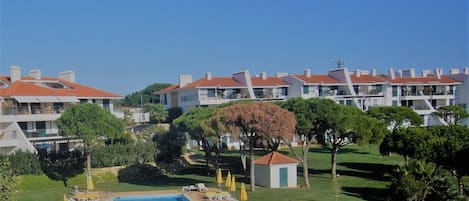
[174,197]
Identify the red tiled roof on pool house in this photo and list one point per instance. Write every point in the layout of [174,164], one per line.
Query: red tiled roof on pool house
[274,158]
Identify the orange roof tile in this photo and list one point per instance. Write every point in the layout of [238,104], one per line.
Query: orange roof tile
[214,82]
[168,89]
[319,79]
[365,79]
[274,158]
[269,81]
[22,88]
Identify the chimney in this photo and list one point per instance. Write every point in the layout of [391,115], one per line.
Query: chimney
[373,72]
[208,76]
[425,73]
[184,80]
[263,75]
[466,70]
[408,72]
[391,73]
[279,75]
[453,71]
[67,76]
[36,74]
[308,72]
[399,73]
[357,73]
[437,73]
[15,73]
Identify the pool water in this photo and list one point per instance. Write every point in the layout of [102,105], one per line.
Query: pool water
[175,197]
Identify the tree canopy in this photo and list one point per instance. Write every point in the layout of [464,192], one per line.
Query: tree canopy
[451,114]
[144,96]
[254,121]
[7,179]
[158,112]
[395,116]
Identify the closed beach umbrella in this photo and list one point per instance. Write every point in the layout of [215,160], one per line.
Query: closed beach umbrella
[233,184]
[89,183]
[219,178]
[228,180]
[65,198]
[244,194]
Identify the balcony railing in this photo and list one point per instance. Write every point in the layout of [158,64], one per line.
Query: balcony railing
[39,133]
[25,110]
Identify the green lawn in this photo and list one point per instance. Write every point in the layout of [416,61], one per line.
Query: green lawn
[364,176]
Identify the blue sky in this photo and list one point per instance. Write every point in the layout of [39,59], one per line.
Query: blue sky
[122,46]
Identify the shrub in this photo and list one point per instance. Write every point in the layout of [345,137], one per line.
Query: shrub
[23,163]
[122,154]
[139,174]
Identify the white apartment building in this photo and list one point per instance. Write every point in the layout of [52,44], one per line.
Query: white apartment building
[364,89]
[218,90]
[30,105]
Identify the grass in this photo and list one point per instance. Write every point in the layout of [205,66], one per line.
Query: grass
[364,176]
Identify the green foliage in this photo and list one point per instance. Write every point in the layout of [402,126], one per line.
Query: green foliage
[418,180]
[158,112]
[139,174]
[62,166]
[146,95]
[452,114]
[122,154]
[169,145]
[23,163]
[173,113]
[88,121]
[395,116]
[7,179]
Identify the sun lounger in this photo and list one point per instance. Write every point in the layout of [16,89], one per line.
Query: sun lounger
[217,195]
[201,187]
[189,188]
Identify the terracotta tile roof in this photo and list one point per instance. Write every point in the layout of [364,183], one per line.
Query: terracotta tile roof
[365,79]
[424,80]
[22,88]
[274,158]
[319,79]
[269,81]
[214,82]
[168,89]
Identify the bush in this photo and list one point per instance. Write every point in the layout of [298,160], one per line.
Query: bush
[37,182]
[122,154]
[139,174]
[23,163]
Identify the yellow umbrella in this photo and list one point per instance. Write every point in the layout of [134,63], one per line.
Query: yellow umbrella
[233,184]
[244,194]
[228,180]
[219,178]
[89,183]
[65,198]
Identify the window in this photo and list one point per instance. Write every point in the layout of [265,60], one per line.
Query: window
[394,91]
[259,92]
[210,92]
[356,88]
[348,102]
[82,101]
[305,89]
[451,101]
[451,90]
[106,104]
[165,99]
[394,103]
[284,91]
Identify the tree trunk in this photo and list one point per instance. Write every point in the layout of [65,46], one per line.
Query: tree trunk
[460,185]
[333,162]
[306,169]
[88,165]
[251,166]
[207,155]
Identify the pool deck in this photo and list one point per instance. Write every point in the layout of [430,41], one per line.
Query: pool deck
[193,196]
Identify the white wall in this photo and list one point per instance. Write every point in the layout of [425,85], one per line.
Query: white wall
[262,175]
[296,86]
[275,175]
